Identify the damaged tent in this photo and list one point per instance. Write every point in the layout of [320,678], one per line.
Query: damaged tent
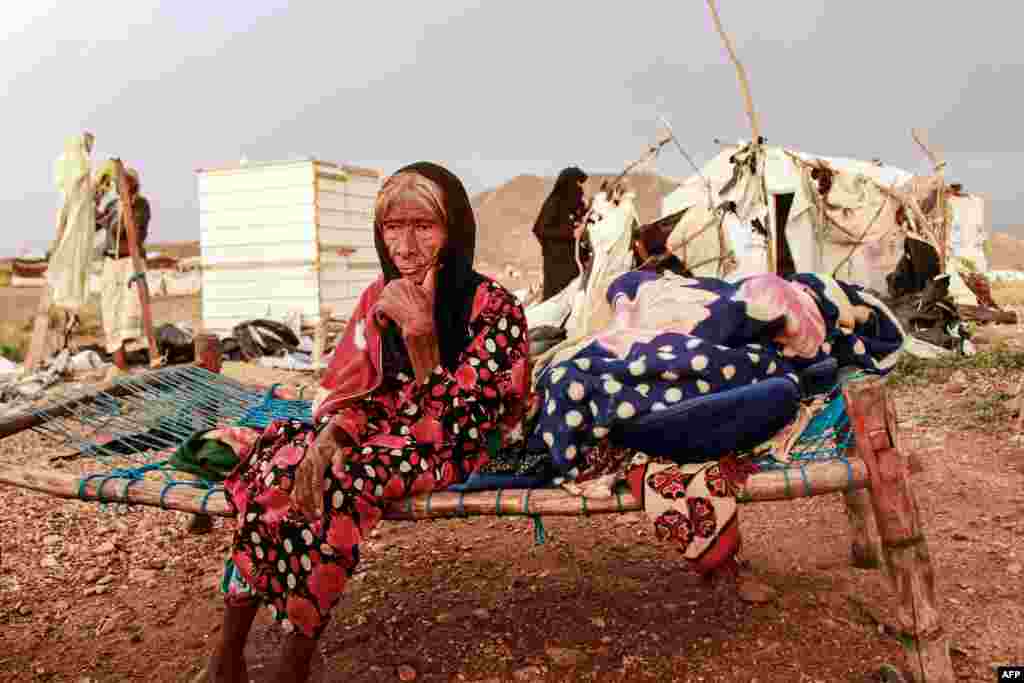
[786,211]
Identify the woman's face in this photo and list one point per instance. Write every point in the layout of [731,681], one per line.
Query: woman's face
[414,238]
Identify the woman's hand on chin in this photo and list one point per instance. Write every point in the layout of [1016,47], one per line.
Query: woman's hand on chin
[411,307]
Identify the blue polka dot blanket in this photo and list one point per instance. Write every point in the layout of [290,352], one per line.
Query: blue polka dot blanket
[690,373]
[675,339]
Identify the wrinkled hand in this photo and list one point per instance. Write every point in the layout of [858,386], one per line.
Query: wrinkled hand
[409,305]
[325,451]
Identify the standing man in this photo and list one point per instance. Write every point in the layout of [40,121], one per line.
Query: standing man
[119,303]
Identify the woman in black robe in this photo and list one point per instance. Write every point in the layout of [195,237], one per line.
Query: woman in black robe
[554,230]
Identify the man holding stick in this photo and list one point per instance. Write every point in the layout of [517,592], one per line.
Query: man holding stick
[119,303]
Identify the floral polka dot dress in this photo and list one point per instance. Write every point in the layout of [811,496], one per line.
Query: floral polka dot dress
[411,439]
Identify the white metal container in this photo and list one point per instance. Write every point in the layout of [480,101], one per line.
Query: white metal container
[281,237]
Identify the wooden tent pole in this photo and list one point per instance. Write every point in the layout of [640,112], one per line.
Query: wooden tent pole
[755,123]
[939,166]
[138,265]
[755,130]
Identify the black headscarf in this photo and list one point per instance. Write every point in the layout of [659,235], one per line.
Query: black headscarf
[457,282]
[554,220]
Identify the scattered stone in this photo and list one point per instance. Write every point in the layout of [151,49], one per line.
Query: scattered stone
[1015,568]
[156,564]
[105,548]
[756,592]
[105,580]
[528,673]
[599,622]
[100,590]
[141,575]
[444,618]
[91,590]
[406,673]
[564,657]
[959,536]
[93,575]
[49,562]
[24,610]
[51,539]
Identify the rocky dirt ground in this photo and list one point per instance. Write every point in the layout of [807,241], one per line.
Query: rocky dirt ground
[98,594]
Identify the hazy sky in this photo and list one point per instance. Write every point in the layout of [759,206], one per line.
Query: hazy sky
[494,89]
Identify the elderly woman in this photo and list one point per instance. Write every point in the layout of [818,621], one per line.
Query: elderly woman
[432,366]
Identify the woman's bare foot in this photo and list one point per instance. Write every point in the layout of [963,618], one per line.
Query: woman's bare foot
[218,672]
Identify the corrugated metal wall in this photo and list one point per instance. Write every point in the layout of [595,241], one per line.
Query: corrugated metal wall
[348,259]
[257,240]
[259,232]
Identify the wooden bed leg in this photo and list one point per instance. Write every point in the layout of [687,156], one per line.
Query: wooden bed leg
[866,545]
[208,355]
[873,416]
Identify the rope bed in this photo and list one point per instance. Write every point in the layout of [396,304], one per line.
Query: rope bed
[852,447]
[142,419]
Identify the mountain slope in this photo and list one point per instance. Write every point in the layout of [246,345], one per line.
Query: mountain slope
[505,217]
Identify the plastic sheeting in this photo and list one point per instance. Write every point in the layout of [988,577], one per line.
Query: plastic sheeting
[612,247]
[853,201]
[68,271]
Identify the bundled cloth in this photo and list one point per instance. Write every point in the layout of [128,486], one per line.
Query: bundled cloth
[676,343]
[261,338]
[68,272]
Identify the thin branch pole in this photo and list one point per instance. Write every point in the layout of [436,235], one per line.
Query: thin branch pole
[755,123]
[939,166]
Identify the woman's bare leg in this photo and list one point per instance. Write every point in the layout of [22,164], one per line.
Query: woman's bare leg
[228,663]
[297,658]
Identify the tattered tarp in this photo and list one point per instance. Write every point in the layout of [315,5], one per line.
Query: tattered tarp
[840,216]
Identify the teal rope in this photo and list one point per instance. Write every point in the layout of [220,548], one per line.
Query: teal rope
[497,504]
[206,498]
[539,537]
[807,482]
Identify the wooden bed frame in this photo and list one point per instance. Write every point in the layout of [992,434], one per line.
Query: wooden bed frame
[885,521]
